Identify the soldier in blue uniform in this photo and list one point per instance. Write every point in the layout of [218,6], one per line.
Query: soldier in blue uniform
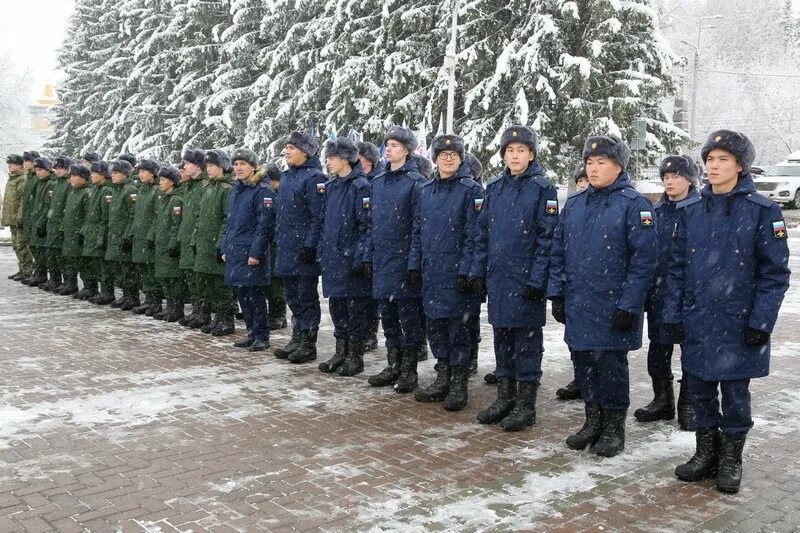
[602,264]
[725,285]
[395,194]
[369,156]
[343,256]
[299,211]
[442,246]
[512,252]
[681,178]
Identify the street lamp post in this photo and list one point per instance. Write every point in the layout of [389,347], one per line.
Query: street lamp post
[450,65]
[696,70]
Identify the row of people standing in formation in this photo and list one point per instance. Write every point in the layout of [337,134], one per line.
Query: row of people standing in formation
[709,268]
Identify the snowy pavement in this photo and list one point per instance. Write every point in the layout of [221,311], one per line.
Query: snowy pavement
[114,422]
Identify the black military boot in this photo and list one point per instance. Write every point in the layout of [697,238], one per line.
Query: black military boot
[501,407]
[372,341]
[169,310]
[144,306]
[457,397]
[70,285]
[131,300]
[612,439]
[155,308]
[387,376]
[244,343]
[473,359]
[54,282]
[177,311]
[703,463]
[225,325]
[259,346]
[186,319]
[89,289]
[117,303]
[291,346]
[15,276]
[490,378]
[354,364]
[37,277]
[523,414]
[19,276]
[407,380]
[569,392]
[729,471]
[202,318]
[663,405]
[590,432]
[333,364]
[307,351]
[685,411]
[436,391]
[211,324]
[105,296]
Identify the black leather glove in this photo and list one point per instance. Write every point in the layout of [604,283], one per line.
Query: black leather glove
[414,278]
[462,284]
[756,337]
[622,320]
[126,245]
[559,310]
[532,293]
[219,256]
[673,332]
[174,252]
[151,245]
[478,286]
[41,232]
[307,255]
[80,239]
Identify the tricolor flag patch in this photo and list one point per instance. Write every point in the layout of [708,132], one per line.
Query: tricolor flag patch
[779,229]
[552,207]
[365,202]
[647,218]
[478,204]
[268,203]
[176,210]
[320,188]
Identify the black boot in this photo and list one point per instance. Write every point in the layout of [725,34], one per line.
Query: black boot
[244,343]
[523,414]
[333,364]
[407,380]
[570,392]
[202,318]
[612,440]
[663,405]
[131,300]
[70,285]
[177,311]
[372,341]
[685,411]
[169,310]
[436,391]
[473,359]
[501,407]
[15,276]
[490,379]
[354,364]
[387,376]
[457,396]
[155,309]
[185,319]
[291,346]
[703,463]
[307,351]
[117,303]
[225,325]
[105,296]
[19,276]
[590,432]
[259,346]
[210,325]
[53,282]
[729,471]
[142,309]
[88,291]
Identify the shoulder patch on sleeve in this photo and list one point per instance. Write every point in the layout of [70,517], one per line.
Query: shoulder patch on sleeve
[779,229]
[688,202]
[551,207]
[759,199]
[321,187]
[630,192]
[646,219]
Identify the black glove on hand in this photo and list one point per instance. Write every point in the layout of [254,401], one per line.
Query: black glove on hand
[673,332]
[414,278]
[307,255]
[622,320]
[462,284]
[478,286]
[532,293]
[174,252]
[126,245]
[559,310]
[756,337]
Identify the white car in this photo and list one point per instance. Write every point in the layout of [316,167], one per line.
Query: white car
[781,183]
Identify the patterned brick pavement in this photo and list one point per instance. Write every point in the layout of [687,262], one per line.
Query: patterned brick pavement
[113,422]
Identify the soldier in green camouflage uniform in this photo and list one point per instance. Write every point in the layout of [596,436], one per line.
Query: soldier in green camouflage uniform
[57,192]
[120,244]
[38,220]
[28,197]
[95,234]
[72,260]
[144,215]
[12,216]
[167,251]
[193,168]
[212,213]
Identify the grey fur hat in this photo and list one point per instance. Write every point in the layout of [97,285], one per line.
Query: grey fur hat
[194,156]
[579,172]
[448,142]
[305,142]
[246,155]
[342,147]
[683,165]
[518,134]
[43,162]
[218,158]
[101,167]
[734,142]
[80,170]
[120,165]
[475,167]
[609,146]
[402,135]
[369,151]
[171,173]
